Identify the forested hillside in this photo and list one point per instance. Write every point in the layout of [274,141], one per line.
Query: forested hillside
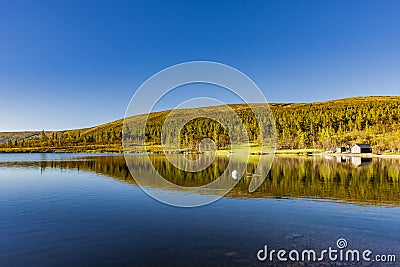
[373,120]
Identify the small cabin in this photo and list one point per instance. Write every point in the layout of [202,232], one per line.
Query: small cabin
[340,149]
[361,148]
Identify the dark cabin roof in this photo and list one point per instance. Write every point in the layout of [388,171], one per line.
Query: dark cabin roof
[363,145]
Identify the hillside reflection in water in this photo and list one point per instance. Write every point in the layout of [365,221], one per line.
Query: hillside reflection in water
[359,180]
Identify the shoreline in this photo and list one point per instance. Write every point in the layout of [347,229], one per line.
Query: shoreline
[366,155]
[286,152]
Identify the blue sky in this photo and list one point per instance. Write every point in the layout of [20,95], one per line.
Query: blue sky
[70,64]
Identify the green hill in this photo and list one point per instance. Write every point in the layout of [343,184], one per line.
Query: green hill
[320,125]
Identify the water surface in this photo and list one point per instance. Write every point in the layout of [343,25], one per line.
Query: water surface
[86,210]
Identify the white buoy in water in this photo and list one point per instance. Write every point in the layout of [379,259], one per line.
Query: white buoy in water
[235,174]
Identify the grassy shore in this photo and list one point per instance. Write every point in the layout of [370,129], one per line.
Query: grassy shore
[74,149]
[254,149]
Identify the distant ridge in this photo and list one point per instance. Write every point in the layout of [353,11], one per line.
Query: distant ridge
[371,119]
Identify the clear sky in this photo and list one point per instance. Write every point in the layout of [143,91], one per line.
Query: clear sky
[69,64]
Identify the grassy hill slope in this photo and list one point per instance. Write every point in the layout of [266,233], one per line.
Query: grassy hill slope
[374,120]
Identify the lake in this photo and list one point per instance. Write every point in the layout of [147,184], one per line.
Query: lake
[87,210]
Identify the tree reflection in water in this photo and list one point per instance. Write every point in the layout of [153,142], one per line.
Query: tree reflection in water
[360,180]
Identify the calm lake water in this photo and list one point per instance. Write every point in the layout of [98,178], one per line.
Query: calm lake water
[86,210]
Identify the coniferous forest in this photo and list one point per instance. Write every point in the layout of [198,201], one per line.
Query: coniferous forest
[322,125]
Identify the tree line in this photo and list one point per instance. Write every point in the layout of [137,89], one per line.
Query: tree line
[372,120]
